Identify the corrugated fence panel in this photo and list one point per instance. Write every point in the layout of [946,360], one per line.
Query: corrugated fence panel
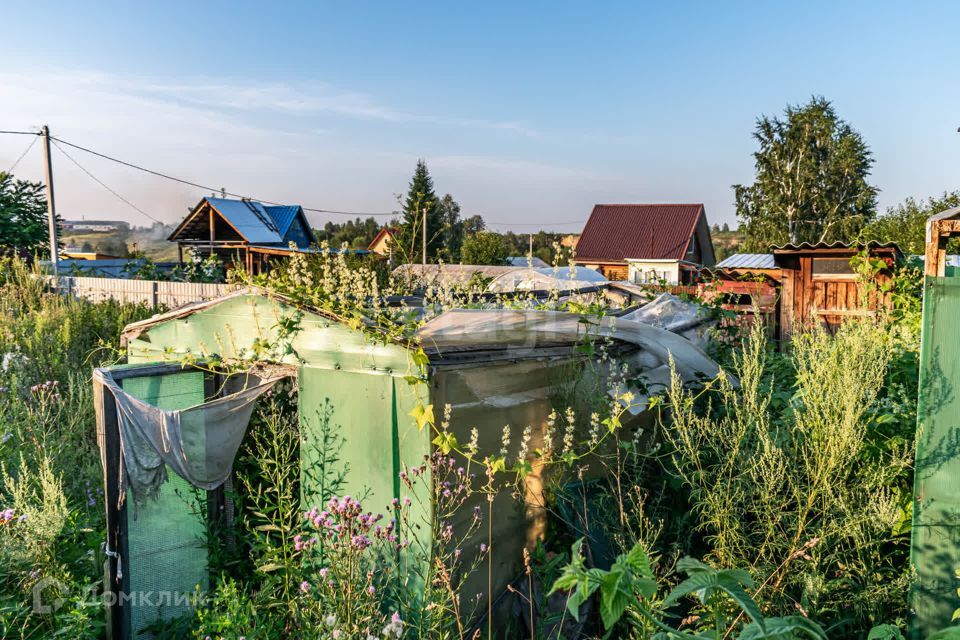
[154,293]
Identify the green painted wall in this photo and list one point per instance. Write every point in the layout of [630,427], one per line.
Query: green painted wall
[935,544]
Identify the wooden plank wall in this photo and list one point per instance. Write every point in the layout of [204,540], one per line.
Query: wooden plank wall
[830,300]
[154,293]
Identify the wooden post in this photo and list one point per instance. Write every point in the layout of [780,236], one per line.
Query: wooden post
[108,436]
[212,232]
[51,203]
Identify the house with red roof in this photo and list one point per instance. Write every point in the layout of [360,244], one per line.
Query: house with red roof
[647,242]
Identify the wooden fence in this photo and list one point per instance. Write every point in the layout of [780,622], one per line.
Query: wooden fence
[155,293]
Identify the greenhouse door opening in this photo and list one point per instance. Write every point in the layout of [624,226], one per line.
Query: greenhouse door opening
[158,424]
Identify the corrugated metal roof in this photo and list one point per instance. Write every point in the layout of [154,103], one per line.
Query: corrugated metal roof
[808,246]
[642,231]
[249,218]
[748,261]
[283,216]
[521,261]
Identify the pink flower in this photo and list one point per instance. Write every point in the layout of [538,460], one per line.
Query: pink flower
[305,587]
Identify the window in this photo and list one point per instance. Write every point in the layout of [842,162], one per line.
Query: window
[832,267]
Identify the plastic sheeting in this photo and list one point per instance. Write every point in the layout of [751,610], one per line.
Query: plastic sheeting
[522,331]
[547,278]
[199,443]
[669,312]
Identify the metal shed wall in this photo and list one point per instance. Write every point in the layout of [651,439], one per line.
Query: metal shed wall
[935,543]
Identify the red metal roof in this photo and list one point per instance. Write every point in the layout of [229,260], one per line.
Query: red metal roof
[616,232]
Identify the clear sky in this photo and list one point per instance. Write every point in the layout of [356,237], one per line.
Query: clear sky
[528,113]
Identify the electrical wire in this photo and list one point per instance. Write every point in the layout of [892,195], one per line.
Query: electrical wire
[204,187]
[209,188]
[22,155]
[100,182]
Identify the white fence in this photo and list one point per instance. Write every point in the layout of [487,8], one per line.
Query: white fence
[152,292]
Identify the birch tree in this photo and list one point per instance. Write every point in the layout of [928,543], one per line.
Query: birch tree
[811,180]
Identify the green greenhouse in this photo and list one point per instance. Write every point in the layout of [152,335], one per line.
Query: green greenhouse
[492,367]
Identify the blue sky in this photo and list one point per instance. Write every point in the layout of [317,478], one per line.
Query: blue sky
[527,113]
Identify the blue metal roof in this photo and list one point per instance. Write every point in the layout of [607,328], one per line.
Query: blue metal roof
[250,219]
[748,261]
[283,216]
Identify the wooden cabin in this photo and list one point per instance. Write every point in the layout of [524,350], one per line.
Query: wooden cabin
[243,231]
[797,285]
[818,283]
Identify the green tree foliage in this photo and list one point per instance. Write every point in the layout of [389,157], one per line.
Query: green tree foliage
[452,228]
[485,247]
[811,180]
[421,200]
[906,223]
[473,224]
[357,233]
[23,215]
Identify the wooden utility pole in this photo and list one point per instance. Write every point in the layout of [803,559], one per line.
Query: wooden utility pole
[530,255]
[424,236]
[51,204]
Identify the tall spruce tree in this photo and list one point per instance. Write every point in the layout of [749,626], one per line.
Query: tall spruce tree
[421,200]
[811,180]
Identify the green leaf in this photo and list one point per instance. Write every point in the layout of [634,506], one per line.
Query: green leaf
[422,414]
[950,633]
[885,632]
[496,463]
[703,583]
[445,441]
[271,566]
[615,595]
[638,560]
[420,358]
[786,628]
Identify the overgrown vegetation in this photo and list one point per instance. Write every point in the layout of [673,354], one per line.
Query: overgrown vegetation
[788,478]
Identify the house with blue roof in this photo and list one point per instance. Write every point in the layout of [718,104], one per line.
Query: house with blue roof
[243,230]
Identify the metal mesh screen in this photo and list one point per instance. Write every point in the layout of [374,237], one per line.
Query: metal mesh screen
[166,554]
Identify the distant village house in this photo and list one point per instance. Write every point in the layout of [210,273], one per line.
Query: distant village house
[647,242]
[382,243]
[93,226]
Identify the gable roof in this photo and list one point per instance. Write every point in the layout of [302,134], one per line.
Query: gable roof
[255,222]
[384,231]
[616,232]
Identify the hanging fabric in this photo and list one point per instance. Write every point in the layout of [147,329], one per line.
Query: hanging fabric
[199,443]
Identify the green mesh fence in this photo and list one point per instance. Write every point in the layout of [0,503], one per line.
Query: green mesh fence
[166,556]
[935,544]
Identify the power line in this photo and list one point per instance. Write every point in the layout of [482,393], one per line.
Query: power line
[21,133]
[23,155]
[100,182]
[206,187]
[532,224]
